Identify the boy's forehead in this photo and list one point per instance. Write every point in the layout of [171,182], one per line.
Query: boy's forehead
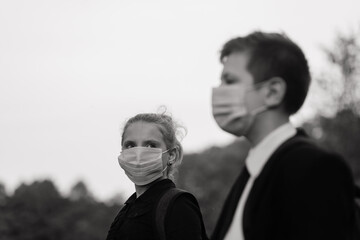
[236,58]
[236,66]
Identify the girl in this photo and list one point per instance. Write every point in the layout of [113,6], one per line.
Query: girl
[150,155]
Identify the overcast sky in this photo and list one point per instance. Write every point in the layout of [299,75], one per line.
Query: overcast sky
[72,71]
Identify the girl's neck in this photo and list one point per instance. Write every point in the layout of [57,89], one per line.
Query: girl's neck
[141,189]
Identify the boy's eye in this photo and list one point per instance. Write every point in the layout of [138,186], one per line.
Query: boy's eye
[229,81]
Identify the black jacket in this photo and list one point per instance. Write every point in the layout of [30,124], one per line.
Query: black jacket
[302,193]
[136,220]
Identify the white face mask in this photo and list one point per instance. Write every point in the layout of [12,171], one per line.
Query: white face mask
[228,108]
[142,165]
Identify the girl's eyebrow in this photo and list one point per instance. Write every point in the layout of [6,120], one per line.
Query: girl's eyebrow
[127,142]
[146,141]
[152,141]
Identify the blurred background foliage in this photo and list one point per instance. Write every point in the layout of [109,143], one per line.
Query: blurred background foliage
[37,211]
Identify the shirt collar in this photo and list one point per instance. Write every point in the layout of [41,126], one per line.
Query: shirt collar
[259,155]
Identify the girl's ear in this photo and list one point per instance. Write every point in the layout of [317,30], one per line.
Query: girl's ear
[172,156]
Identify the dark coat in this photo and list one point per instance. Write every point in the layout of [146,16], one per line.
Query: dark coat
[302,193]
[136,220]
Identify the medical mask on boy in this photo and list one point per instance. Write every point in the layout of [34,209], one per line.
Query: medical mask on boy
[228,107]
[142,165]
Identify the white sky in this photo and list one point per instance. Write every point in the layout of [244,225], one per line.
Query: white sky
[72,71]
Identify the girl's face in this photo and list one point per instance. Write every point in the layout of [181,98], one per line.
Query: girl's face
[144,134]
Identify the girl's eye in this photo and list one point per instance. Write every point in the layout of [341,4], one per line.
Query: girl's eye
[150,145]
[128,145]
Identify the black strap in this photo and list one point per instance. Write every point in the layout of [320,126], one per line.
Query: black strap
[162,207]
[357,192]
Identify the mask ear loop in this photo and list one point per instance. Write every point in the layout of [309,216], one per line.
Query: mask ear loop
[165,168]
[168,163]
[258,110]
[261,108]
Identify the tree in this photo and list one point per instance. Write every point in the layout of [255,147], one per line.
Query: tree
[341,82]
[80,192]
[3,195]
[116,199]
[37,211]
[31,212]
[340,131]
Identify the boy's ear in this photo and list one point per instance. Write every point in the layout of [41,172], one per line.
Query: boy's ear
[275,91]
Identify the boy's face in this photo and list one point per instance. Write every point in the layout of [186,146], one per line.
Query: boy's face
[235,73]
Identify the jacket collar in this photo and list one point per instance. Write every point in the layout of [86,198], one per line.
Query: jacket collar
[152,193]
[259,155]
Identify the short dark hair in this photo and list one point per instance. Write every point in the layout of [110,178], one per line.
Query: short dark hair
[274,55]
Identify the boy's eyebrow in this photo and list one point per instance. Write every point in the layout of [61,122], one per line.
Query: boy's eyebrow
[226,75]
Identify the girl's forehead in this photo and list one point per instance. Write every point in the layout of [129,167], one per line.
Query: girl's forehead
[143,130]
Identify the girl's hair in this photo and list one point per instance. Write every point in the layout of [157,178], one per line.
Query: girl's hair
[170,131]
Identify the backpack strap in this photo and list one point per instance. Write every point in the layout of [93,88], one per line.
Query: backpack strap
[357,192]
[356,234]
[168,197]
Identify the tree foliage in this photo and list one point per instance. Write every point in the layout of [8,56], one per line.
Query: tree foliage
[341,132]
[80,192]
[341,80]
[38,212]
